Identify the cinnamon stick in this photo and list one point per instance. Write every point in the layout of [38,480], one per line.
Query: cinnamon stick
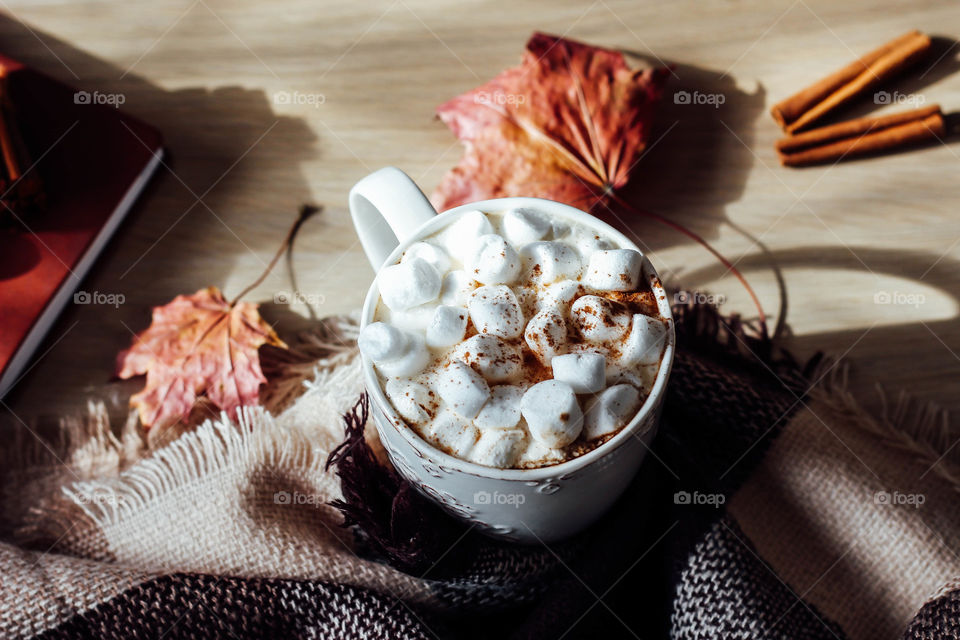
[787,111]
[868,141]
[809,105]
[850,129]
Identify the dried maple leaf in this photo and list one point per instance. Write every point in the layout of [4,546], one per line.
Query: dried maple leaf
[197,344]
[568,124]
[203,345]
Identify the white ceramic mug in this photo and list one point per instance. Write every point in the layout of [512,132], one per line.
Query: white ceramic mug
[527,505]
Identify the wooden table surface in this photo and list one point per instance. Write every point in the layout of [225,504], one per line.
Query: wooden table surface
[207,73]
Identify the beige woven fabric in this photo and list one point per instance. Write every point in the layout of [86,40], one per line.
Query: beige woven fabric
[832,510]
[246,498]
[48,588]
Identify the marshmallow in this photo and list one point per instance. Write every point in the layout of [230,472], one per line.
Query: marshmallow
[411,400]
[451,433]
[380,341]
[529,299]
[495,310]
[614,270]
[456,287]
[414,319]
[408,284]
[542,455]
[492,261]
[522,226]
[619,374]
[552,413]
[645,342]
[461,236]
[496,360]
[502,410]
[559,228]
[433,254]
[462,388]
[447,326]
[498,448]
[412,361]
[599,319]
[610,410]
[586,246]
[560,295]
[550,261]
[584,372]
[546,335]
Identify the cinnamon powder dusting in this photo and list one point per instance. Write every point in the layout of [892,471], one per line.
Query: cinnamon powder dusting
[635,301]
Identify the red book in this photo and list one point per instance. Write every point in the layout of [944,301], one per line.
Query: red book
[93,161]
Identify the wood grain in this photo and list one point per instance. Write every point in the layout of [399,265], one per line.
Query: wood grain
[207,73]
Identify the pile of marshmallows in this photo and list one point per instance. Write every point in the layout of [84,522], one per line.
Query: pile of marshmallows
[468,396]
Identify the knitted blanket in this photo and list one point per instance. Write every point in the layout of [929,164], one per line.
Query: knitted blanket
[771,506]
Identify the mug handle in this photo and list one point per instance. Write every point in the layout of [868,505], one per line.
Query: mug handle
[387,207]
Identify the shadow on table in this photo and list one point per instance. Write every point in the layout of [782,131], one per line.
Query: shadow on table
[699,155]
[916,356]
[230,189]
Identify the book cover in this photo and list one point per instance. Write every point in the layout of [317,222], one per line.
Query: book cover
[94,161]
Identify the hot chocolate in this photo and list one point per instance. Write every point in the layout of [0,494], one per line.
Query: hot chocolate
[514,339]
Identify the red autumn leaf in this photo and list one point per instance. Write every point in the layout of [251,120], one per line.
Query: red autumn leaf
[568,124]
[197,345]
